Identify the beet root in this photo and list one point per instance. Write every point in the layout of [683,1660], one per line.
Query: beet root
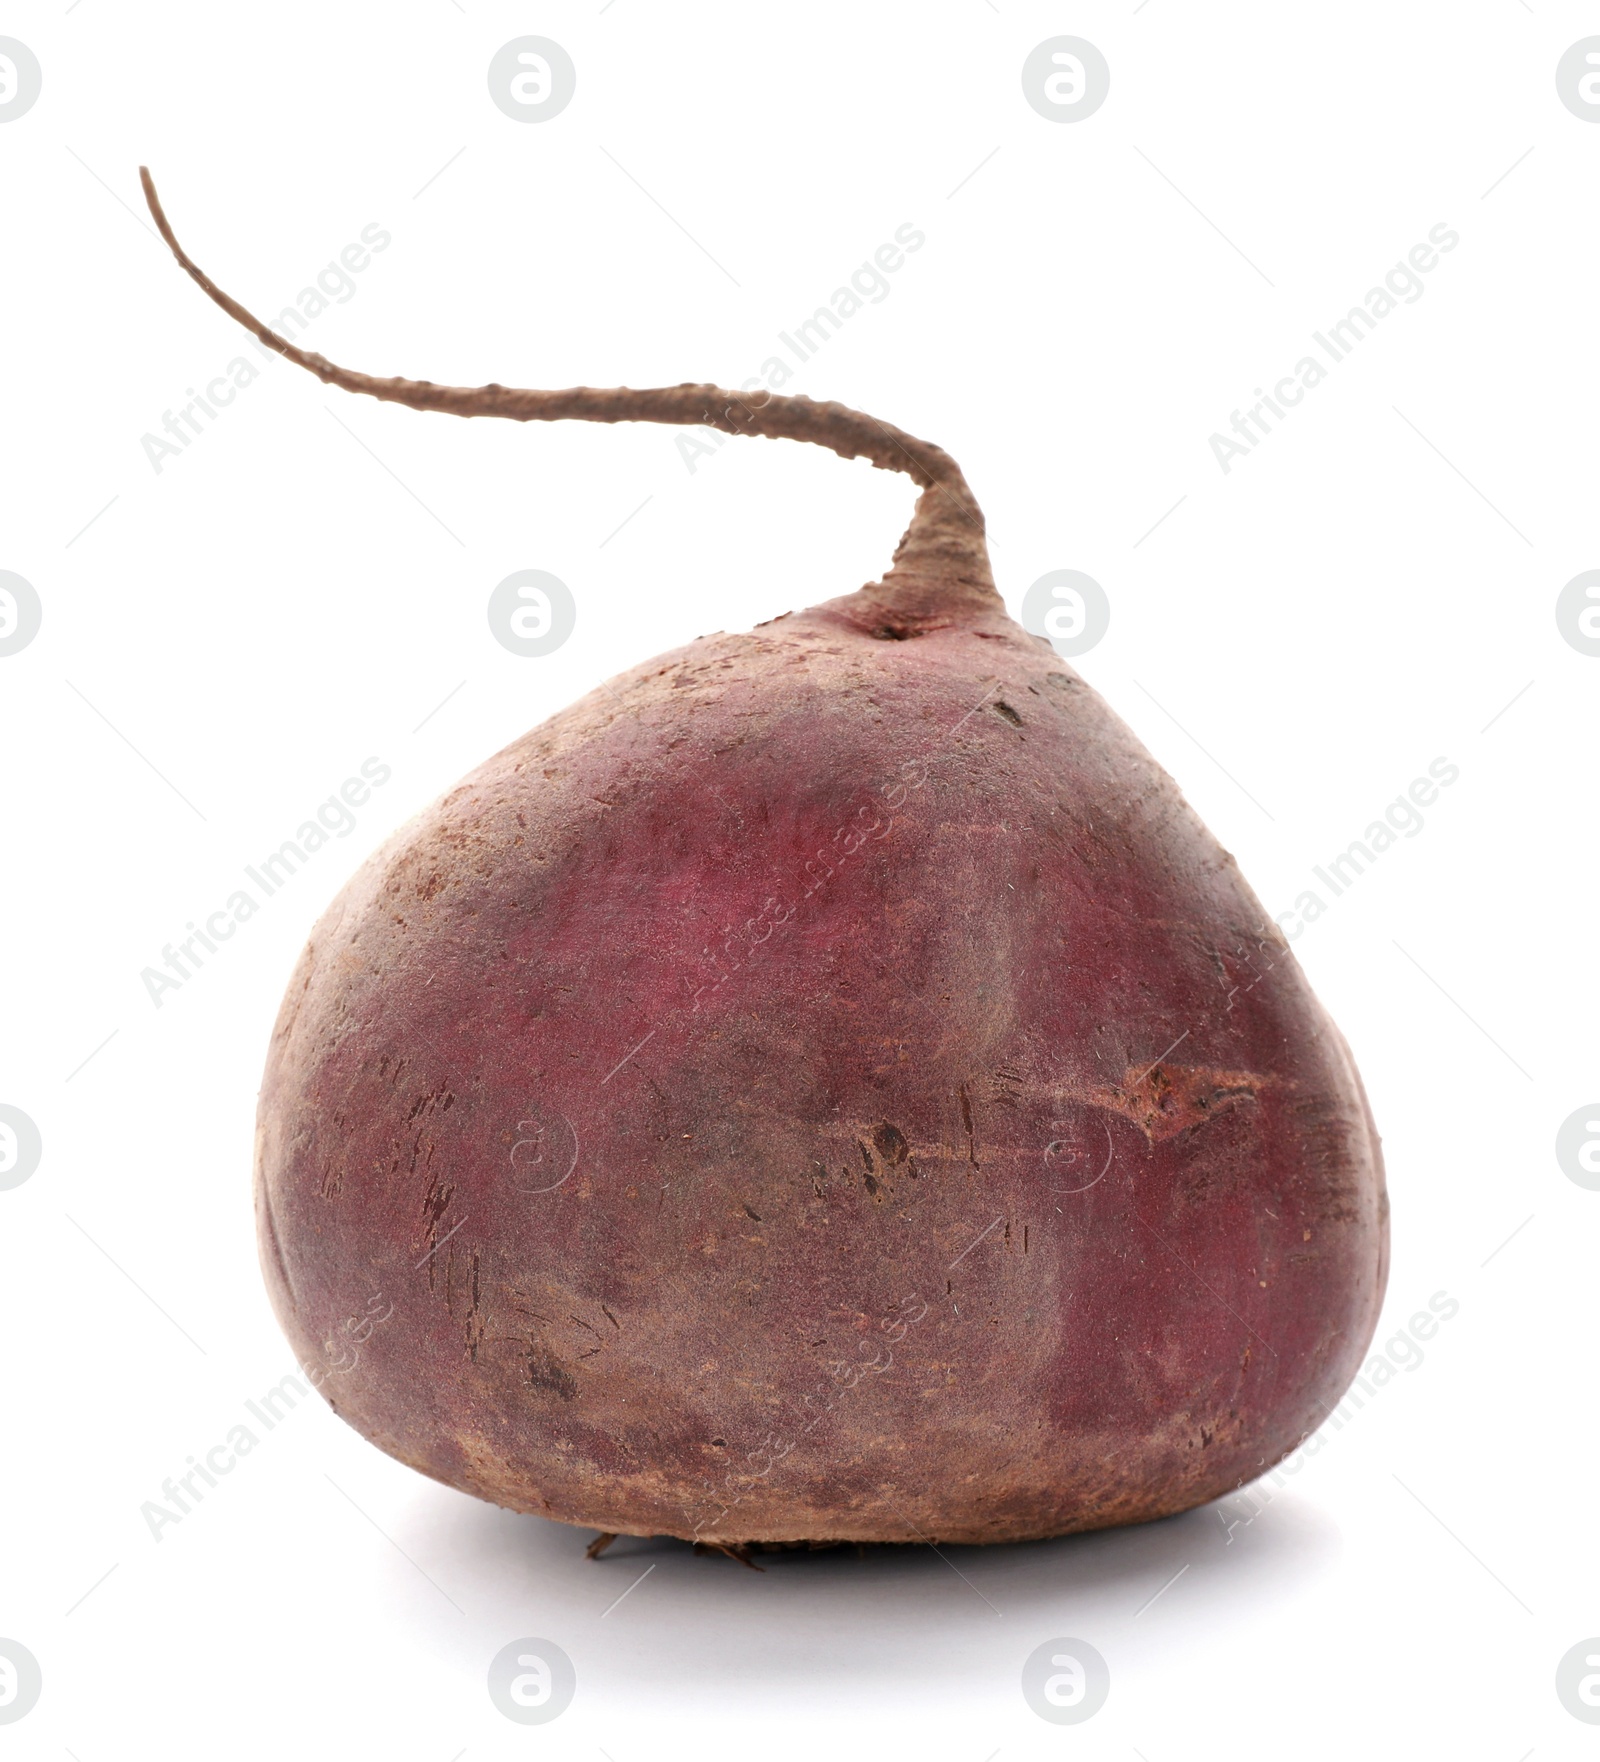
[824,1085]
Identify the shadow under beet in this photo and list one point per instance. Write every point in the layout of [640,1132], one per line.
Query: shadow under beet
[651,1615]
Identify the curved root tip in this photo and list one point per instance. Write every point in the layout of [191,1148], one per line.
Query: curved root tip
[941,569]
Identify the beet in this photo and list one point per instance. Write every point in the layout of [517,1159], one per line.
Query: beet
[824,1085]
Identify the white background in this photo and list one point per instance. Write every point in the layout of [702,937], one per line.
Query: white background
[1296,641]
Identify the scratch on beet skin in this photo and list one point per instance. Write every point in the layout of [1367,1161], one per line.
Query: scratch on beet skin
[435,1203]
[474,1319]
[966,1120]
[1168,1099]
